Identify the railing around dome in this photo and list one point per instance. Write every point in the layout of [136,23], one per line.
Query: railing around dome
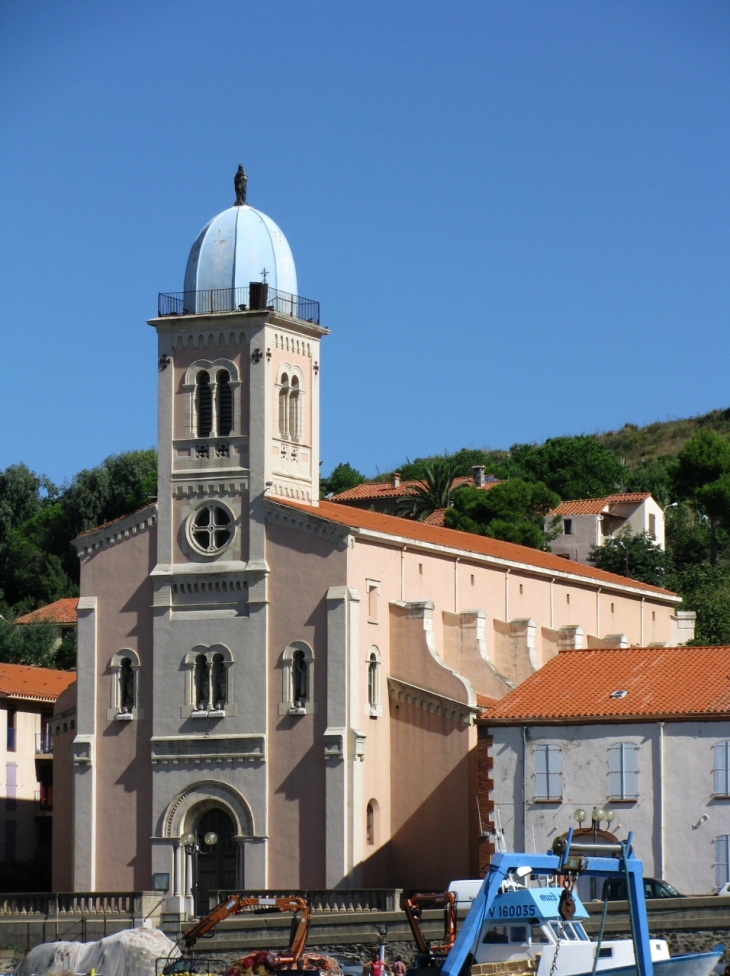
[236,300]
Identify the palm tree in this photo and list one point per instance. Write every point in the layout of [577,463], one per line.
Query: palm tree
[433,492]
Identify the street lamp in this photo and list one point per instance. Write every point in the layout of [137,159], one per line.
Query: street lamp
[673,505]
[190,842]
[626,551]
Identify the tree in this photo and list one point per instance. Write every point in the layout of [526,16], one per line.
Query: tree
[703,475]
[706,590]
[341,478]
[574,467]
[30,644]
[636,556]
[435,492]
[514,511]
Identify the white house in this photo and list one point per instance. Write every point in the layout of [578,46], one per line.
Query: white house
[588,522]
[643,732]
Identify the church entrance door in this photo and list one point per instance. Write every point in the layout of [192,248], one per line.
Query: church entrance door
[215,866]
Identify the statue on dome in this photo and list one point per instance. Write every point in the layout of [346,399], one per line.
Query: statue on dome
[239,181]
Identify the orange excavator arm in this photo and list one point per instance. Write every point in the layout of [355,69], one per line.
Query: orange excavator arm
[414,909]
[236,904]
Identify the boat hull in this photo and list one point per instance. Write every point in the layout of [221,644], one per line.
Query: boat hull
[692,964]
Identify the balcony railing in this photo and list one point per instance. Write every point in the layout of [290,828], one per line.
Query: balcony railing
[44,743]
[237,300]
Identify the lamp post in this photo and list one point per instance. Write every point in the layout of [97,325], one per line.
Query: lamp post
[598,815]
[192,849]
[626,552]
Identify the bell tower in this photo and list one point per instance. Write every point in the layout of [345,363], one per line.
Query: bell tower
[238,417]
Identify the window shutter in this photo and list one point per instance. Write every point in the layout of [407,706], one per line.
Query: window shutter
[631,771]
[721,861]
[555,772]
[614,771]
[541,773]
[721,769]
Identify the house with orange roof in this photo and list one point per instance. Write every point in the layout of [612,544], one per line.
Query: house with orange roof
[640,733]
[27,698]
[299,677]
[588,522]
[62,614]
[387,496]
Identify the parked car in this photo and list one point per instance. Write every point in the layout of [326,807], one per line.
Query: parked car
[725,890]
[614,889]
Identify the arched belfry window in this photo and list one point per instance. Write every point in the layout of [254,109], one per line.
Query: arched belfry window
[218,680]
[294,409]
[204,404]
[224,395]
[284,406]
[202,685]
[298,680]
[125,691]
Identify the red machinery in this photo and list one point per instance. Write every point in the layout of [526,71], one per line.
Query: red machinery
[428,953]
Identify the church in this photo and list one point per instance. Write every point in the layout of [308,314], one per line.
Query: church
[279,692]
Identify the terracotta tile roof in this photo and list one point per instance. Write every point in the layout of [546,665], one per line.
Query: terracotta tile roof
[114,521]
[454,539]
[38,684]
[435,518]
[663,682]
[486,703]
[60,612]
[384,489]
[594,506]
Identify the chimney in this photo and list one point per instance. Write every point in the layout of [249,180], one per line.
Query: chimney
[477,474]
[395,479]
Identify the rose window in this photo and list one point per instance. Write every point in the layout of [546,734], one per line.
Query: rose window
[212,528]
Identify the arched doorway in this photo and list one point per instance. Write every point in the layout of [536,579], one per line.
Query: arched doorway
[214,868]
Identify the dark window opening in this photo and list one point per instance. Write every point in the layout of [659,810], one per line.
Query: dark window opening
[126,686]
[201,682]
[204,405]
[225,404]
[300,677]
[212,528]
[568,526]
[11,730]
[219,681]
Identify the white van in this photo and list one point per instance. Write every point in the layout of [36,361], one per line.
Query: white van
[465,891]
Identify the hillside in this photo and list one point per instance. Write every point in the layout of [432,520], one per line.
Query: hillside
[633,444]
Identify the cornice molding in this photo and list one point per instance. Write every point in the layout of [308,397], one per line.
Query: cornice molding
[432,701]
[304,522]
[113,533]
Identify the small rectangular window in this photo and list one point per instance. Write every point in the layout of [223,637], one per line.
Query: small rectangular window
[653,615]
[613,608]
[420,568]
[623,771]
[722,768]
[548,773]
[722,874]
[373,602]
[652,526]
[567,597]
[472,579]
[521,590]
[568,526]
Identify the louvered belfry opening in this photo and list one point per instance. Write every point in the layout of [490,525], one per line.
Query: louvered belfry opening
[204,405]
[225,404]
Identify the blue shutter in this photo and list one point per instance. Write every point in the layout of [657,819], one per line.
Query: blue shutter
[555,772]
[721,861]
[614,772]
[541,773]
[722,786]
[631,771]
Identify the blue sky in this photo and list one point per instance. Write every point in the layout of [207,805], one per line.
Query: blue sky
[516,215]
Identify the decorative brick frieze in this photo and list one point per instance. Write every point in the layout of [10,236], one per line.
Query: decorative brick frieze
[115,532]
[208,749]
[304,523]
[219,489]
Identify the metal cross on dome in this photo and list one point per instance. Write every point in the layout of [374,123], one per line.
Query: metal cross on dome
[264,273]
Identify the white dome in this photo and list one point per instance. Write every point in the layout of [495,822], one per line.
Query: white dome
[232,250]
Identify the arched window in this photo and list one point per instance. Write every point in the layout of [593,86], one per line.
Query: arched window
[224,394]
[202,683]
[209,683]
[126,686]
[218,677]
[294,409]
[211,529]
[373,708]
[204,404]
[298,680]
[371,823]
[284,406]
[125,668]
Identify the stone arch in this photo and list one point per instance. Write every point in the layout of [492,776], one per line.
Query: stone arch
[195,800]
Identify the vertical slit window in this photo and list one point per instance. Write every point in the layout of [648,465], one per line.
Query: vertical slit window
[204,404]
[373,680]
[284,406]
[225,404]
[219,681]
[294,412]
[126,686]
